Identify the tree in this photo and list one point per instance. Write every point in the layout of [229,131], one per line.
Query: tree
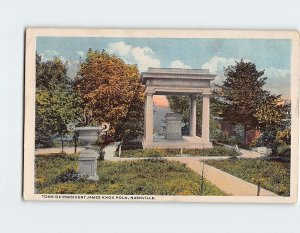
[111,92]
[55,105]
[245,102]
[51,74]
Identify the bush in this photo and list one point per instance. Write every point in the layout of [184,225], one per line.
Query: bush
[283,152]
[284,137]
[274,139]
[101,154]
[233,140]
[219,136]
[224,138]
[69,175]
[132,145]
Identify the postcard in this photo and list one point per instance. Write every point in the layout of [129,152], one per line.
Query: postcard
[161,115]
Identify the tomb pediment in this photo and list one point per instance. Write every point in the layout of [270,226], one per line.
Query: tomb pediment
[177,81]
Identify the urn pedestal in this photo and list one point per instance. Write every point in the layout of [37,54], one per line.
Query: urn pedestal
[88,164]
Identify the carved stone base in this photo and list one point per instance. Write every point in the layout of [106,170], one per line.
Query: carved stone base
[88,164]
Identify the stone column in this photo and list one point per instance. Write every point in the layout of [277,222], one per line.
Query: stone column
[205,117]
[148,129]
[193,118]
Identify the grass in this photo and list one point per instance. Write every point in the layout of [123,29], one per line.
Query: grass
[143,177]
[157,152]
[273,175]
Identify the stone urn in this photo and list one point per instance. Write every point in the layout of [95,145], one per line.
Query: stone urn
[88,157]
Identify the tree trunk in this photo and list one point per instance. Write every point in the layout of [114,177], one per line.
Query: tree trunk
[62,142]
[75,142]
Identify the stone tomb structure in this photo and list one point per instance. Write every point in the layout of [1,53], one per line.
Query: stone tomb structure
[175,81]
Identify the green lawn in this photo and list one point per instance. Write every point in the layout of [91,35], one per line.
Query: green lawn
[143,177]
[157,152]
[273,175]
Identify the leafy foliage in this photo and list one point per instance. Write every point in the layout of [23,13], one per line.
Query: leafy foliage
[55,105]
[69,175]
[180,104]
[283,153]
[274,139]
[111,92]
[51,74]
[245,102]
[283,137]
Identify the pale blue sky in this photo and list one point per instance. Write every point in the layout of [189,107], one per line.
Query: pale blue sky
[269,54]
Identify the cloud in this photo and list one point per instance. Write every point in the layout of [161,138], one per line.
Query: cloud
[216,66]
[278,80]
[73,67]
[179,64]
[50,55]
[144,57]
[81,53]
[119,48]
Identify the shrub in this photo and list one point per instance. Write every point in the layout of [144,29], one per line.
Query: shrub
[274,139]
[219,136]
[239,133]
[283,152]
[101,154]
[232,140]
[69,175]
[132,145]
[284,137]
